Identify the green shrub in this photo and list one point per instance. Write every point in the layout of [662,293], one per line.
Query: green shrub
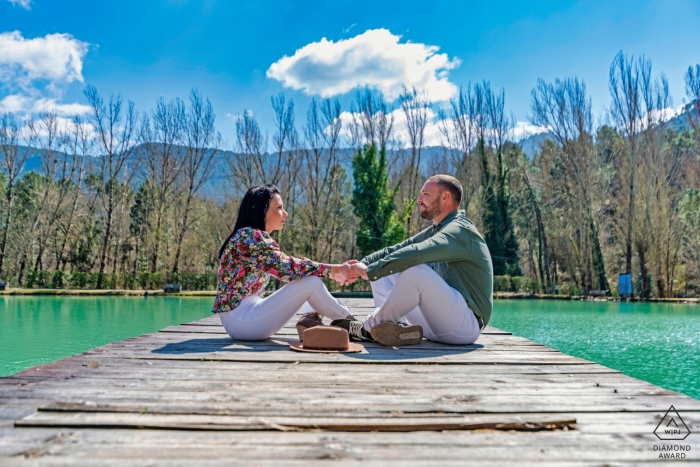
[569,288]
[59,279]
[515,283]
[530,286]
[38,279]
[501,284]
[144,280]
[31,279]
[194,281]
[128,281]
[80,279]
[156,280]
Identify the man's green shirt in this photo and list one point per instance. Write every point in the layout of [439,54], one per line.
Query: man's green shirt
[455,250]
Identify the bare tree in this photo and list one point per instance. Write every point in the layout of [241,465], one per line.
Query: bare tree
[565,108]
[692,91]
[78,145]
[12,157]
[320,158]
[415,107]
[247,164]
[162,158]
[115,135]
[626,113]
[284,138]
[202,142]
[459,134]
[372,120]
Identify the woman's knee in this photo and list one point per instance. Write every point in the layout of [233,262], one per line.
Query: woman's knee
[308,281]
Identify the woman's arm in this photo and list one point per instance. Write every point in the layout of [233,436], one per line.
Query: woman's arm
[266,256]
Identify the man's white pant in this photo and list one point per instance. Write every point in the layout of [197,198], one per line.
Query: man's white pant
[422,297]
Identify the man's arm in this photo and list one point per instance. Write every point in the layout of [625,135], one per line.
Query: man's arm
[377,255]
[441,247]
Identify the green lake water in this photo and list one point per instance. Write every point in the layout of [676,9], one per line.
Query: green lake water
[38,329]
[654,342]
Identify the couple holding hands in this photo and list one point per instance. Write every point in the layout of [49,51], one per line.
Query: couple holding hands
[437,284]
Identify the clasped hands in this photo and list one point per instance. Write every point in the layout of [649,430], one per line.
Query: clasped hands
[348,272]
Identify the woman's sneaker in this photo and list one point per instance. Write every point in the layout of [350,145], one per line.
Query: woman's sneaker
[397,334]
[355,329]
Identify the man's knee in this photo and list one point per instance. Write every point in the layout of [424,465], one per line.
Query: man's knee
[416,271]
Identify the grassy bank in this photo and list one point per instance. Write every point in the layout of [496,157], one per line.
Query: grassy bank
[358,294]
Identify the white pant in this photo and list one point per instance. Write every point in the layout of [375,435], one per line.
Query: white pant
[422,297]
[258,318]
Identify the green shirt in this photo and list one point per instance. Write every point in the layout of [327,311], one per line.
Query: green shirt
[455,250]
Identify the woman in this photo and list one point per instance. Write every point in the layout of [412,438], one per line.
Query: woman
[250,256]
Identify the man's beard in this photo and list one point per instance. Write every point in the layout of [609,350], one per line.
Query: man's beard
[431,211]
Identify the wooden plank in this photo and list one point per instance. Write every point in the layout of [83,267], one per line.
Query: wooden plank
[585,422]
[523,422]
[145,385]
[275,403]
[79,364]
[71,446]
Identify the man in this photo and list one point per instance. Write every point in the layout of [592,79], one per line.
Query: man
[437,284]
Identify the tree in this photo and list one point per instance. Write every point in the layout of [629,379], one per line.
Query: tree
[162,155]
[626,113]
[202,142]
[373,201]
[415,107]
[12,160]
[565,108]
[115,135]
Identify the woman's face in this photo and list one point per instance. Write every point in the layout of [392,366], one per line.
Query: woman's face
[274,220]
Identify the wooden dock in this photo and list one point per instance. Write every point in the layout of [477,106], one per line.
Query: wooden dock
[189,395]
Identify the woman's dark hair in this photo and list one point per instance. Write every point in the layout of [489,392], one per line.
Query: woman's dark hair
[253,210]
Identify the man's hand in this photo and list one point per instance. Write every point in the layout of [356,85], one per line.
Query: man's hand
[360,269]
[343,273]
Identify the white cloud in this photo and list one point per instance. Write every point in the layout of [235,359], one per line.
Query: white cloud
[22,103]
[431,133]
[75,108]
[34,72]
[23,3]
[55,57]
[15,103]
[375,59]
[522,130]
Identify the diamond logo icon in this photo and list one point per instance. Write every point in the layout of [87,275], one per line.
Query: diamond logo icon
[672,427]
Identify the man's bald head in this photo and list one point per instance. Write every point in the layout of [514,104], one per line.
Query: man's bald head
[451,184]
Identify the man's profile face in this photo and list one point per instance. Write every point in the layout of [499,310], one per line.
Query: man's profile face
[429,200]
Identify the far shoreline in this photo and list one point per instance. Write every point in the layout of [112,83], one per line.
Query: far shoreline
[212,293]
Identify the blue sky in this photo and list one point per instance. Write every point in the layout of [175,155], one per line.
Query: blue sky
[50,49]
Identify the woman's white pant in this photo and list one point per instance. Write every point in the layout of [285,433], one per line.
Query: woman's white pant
[422,297]
[258,318]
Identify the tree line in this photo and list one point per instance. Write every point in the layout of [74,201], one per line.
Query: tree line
[121,194]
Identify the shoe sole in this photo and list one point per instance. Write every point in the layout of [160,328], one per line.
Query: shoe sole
[394,335]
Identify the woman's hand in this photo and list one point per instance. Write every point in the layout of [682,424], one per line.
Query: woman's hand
[343,273]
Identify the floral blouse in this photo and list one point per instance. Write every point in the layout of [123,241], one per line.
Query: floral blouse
[250,258]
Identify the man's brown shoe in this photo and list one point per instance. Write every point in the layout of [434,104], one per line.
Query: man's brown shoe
[397,334]
[308,320]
